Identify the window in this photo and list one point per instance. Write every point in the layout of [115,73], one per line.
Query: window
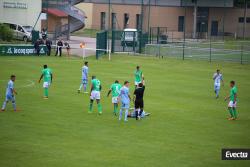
[113,21]
[138,21]
[241,19]
[126,20]
[181,24]
[20,29]
[103,22]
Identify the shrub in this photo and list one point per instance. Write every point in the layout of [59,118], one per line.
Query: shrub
[6,34]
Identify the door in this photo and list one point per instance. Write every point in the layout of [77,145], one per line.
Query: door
[21,33]
[214,28]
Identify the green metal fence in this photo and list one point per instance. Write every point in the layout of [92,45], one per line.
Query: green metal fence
[211,51]
[128,41]
[101,43]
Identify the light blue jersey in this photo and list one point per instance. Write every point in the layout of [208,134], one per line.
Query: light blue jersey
[124,95]
[9,88]
[217,79]
[85,72]
[9,95]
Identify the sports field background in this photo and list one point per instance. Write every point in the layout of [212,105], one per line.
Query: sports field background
[229,50]
[187,126]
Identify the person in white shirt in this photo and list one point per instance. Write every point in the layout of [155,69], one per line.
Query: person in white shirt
[218,79]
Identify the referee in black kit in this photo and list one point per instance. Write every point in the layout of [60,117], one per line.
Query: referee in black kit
[138,99]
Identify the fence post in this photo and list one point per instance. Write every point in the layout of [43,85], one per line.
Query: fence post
[241,54]
[210,50]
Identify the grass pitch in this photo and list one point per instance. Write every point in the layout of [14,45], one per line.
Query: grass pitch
[188,126]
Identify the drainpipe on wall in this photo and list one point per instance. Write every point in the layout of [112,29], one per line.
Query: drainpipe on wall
[195,19]
[245,19]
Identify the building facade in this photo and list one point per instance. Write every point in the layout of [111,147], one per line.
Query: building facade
[197,21]
[23,12]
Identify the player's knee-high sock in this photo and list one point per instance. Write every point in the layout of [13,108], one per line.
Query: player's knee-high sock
[14,105]
[231,112]
[80,87]
[217,93]
[46,92]
[99,108]
[91,106]
[85,87]
[136,113]
[234,113]
[4,105]
[141,111]
[115,108]
[120,115]
[126,115]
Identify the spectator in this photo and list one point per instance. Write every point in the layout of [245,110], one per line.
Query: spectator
[37,47]
[48,45]
[59,46]
[66,44]
[44,34]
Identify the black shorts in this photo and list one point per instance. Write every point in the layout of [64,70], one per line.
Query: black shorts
[139,104]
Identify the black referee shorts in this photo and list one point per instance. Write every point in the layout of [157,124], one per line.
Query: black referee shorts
[139,104]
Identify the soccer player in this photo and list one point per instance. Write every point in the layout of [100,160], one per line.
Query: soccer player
[47,80]
[232,101]
[85,73]
[138,76]
[10,93]
[217,81]
[138,99]
[115,89]
[125,100]
[95,94]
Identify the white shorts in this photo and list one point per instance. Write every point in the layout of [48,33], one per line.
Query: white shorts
[232,104]
[46,84]
[114,100]
[137,83]
[95,95]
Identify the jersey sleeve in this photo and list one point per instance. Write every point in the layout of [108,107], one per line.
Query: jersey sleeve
[11,85]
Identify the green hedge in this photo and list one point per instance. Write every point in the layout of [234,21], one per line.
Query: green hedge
[6,34]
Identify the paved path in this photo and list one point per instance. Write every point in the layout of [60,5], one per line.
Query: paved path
[75,45]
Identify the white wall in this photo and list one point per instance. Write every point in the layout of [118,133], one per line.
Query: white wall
[21,15]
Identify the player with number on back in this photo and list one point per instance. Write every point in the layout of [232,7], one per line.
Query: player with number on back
[47,80]
[95,94]
[217,82]
[115,88]
[232,101]
[85,73]
[10,93]
[138,76]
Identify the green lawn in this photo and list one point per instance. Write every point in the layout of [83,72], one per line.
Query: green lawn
[86,33]
[187,126]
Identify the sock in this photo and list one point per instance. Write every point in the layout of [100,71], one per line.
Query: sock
[115,108]
[217,93]
[14,105]
[231,112]
[46,92]
[120,115]
[136,113]
[99,108]
[126,115]
[91,107]
[141,111]
[4,105]
[234,113]
[80,87]
[85,87]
